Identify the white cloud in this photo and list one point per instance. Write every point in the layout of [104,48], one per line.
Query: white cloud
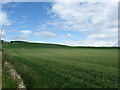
[81,16]
[105,34]
[45,34]
[105,37]
[90,43]
[3,15]
[69,35]
[26,32]
[4,19]
[97,19]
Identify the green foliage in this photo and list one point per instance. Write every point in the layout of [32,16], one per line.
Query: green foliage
[8,81]
[56,66]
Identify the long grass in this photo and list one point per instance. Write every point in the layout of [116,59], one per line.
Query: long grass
[56,66]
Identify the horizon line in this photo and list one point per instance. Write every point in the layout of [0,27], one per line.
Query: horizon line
[59,43]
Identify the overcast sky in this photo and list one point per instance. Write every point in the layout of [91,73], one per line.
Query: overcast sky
[70,23]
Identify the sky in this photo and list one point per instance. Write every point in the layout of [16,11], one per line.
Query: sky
[68,23]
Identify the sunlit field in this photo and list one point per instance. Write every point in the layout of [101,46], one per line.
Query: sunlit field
[57,66]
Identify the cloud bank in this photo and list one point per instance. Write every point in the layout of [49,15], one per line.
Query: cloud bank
[97,19]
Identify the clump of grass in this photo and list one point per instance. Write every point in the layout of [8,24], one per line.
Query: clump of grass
[10,77]
[7,79]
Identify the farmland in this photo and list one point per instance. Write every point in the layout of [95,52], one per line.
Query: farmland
[57,66]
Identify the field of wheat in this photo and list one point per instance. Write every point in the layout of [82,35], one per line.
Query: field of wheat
[57,66]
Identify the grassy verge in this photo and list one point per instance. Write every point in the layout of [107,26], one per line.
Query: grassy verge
[7,80]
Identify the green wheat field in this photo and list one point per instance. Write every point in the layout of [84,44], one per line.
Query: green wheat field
[58,66]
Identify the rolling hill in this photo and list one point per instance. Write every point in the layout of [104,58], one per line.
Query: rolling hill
[57,66]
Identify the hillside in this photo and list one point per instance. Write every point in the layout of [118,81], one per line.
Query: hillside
[18,44]
[22,44]
[57,66]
